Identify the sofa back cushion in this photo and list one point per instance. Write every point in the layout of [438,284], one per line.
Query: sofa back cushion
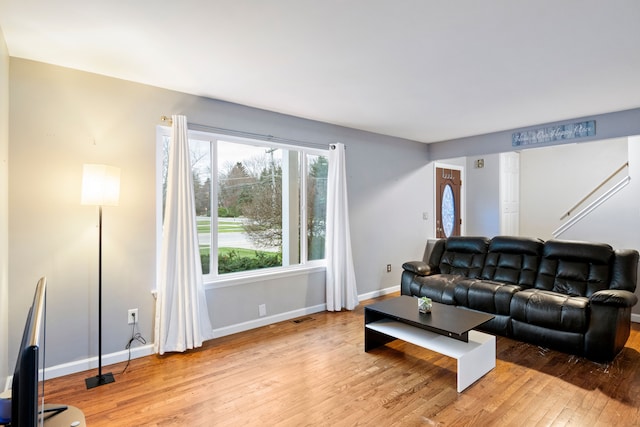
[513,260]
[625,270]
[575,268]
[464,256]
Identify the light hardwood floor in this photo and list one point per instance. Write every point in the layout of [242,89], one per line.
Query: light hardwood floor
[316,373]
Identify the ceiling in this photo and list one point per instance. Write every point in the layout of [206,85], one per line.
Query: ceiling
[426,70]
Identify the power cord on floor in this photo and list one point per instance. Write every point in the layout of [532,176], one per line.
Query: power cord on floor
[135,336]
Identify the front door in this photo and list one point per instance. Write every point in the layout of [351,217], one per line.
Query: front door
[448,220]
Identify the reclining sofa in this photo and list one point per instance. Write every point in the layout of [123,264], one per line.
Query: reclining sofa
[571,296]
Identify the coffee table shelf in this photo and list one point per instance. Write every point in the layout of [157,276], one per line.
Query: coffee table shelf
[446,331]
[474,358]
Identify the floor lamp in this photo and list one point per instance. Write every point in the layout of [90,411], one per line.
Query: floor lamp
[100,187]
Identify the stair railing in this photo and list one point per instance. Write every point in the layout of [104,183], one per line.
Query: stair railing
[593,205]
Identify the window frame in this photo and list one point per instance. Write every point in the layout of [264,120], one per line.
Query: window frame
[214,279]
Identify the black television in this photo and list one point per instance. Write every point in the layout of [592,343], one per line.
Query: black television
[27,399]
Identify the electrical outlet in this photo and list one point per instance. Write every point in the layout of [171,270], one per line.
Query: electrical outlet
[388,268]
[262,310]
[132,316]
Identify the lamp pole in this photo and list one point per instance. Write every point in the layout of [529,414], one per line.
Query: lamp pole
[107,378]
[100,186]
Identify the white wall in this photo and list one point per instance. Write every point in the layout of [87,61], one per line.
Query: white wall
[4,211]
[62,118]
[553,179]
[616,221]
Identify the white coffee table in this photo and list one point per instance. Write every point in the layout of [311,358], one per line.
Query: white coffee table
[446,330]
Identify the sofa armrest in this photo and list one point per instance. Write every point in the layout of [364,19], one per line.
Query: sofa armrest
[614,297]
[609,324]
[420,268]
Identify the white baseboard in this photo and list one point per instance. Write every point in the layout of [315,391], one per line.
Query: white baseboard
[264,321]
[147,350]
[92,362]
[635,318]
[379,293]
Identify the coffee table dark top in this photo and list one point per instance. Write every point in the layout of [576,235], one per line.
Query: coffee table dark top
[444,319]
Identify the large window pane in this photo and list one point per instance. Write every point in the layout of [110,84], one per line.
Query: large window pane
[317,168]
[268,208]
[249,207]
[200,152]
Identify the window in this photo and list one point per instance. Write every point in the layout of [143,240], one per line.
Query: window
[258,205]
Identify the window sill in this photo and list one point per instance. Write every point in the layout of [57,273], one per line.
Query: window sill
[235,279]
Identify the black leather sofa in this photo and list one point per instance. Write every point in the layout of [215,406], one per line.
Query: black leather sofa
[571,296]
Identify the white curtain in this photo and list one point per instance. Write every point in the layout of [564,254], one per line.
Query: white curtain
[341,278]
[182,319]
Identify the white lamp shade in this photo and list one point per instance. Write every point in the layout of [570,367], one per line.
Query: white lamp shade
[100,185]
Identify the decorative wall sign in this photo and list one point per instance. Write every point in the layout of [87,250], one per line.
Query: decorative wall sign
[554,133]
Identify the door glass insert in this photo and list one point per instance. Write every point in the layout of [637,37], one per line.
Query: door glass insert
[448,211]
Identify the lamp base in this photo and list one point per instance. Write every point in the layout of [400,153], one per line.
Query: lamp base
[99,380]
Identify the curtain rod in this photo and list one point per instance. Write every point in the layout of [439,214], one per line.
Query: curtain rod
[244,134]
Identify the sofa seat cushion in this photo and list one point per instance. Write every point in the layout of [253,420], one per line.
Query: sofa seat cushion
[439,287]
[551,310]
[485,295]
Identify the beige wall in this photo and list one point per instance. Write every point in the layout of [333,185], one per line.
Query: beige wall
[62,118]
[4,213]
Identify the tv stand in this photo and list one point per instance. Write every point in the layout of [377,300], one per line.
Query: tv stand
[62,416]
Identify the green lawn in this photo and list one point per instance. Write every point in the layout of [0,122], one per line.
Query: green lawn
[204,226]
[248,253]
[235,259]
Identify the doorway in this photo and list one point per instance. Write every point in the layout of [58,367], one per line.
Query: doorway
[448,214]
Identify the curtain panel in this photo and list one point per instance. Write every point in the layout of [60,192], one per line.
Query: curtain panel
[340,277]
[182,319]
